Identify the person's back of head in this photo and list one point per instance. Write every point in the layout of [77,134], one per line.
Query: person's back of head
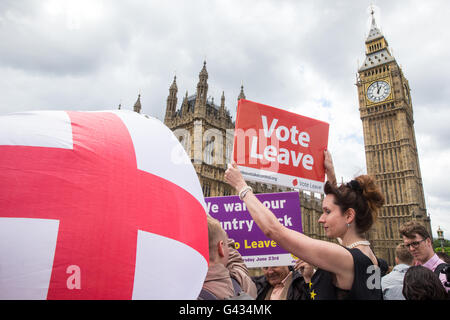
[421,283]
[403,256]
[217,237]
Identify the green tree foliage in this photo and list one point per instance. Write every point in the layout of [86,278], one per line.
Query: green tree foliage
[437,245]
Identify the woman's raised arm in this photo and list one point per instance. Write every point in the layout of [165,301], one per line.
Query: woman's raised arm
[325,255]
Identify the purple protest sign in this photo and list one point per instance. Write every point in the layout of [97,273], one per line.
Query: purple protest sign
[255,248]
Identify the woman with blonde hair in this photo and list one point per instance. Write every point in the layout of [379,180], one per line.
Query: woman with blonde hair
[347,271]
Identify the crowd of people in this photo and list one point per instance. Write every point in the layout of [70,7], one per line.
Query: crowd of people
[327,270]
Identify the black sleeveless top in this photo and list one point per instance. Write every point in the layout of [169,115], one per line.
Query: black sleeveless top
[366,283]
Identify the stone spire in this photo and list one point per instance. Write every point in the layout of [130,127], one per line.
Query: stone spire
[374,32]
[184,104]
[202,86]
[241,94]
[202,91]
[137,106]
[172,99]
[222,100]
[377,48]
[222,104]
[173,86]
[203,73]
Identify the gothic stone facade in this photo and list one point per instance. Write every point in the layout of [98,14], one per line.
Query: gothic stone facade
[391,153]
[206,132]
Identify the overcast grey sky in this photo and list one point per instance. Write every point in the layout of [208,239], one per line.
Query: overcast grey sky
[298,55]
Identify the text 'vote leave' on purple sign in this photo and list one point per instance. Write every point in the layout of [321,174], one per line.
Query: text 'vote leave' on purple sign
[255,248]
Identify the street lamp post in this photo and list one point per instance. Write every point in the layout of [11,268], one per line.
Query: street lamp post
[440,234]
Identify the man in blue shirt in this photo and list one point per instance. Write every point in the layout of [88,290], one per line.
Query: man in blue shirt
[392,283]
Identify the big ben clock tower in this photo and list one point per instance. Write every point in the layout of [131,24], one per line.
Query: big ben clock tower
[391,152]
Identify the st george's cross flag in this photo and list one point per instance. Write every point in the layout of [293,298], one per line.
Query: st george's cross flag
[98,205]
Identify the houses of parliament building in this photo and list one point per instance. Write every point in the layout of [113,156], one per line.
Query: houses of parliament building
[386,111]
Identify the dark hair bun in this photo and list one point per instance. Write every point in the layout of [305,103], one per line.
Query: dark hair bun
[371,193]
[363,196]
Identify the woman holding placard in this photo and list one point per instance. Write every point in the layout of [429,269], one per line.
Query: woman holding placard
[347,271]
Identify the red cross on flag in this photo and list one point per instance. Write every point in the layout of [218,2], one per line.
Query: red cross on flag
[98,205]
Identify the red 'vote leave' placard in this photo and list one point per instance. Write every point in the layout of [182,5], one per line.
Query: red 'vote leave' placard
[275,146]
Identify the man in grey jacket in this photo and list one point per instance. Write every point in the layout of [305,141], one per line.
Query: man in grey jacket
[392,283]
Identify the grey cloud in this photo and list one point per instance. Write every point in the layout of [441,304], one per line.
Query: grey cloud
[35,41]
[276,48]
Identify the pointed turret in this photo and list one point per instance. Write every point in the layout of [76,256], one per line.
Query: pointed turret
[202,91]
[374,32]
[137,106]
[185,104]
[173,86]
[204,73]
[222,102]
[172,99]
[241,94]
[377,49]
[202,86]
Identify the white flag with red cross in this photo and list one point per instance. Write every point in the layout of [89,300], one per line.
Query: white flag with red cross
[98,205]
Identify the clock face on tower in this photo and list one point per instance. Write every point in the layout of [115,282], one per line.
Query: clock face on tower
[378,91]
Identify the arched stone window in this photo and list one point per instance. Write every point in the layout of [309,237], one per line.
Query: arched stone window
[209,151]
